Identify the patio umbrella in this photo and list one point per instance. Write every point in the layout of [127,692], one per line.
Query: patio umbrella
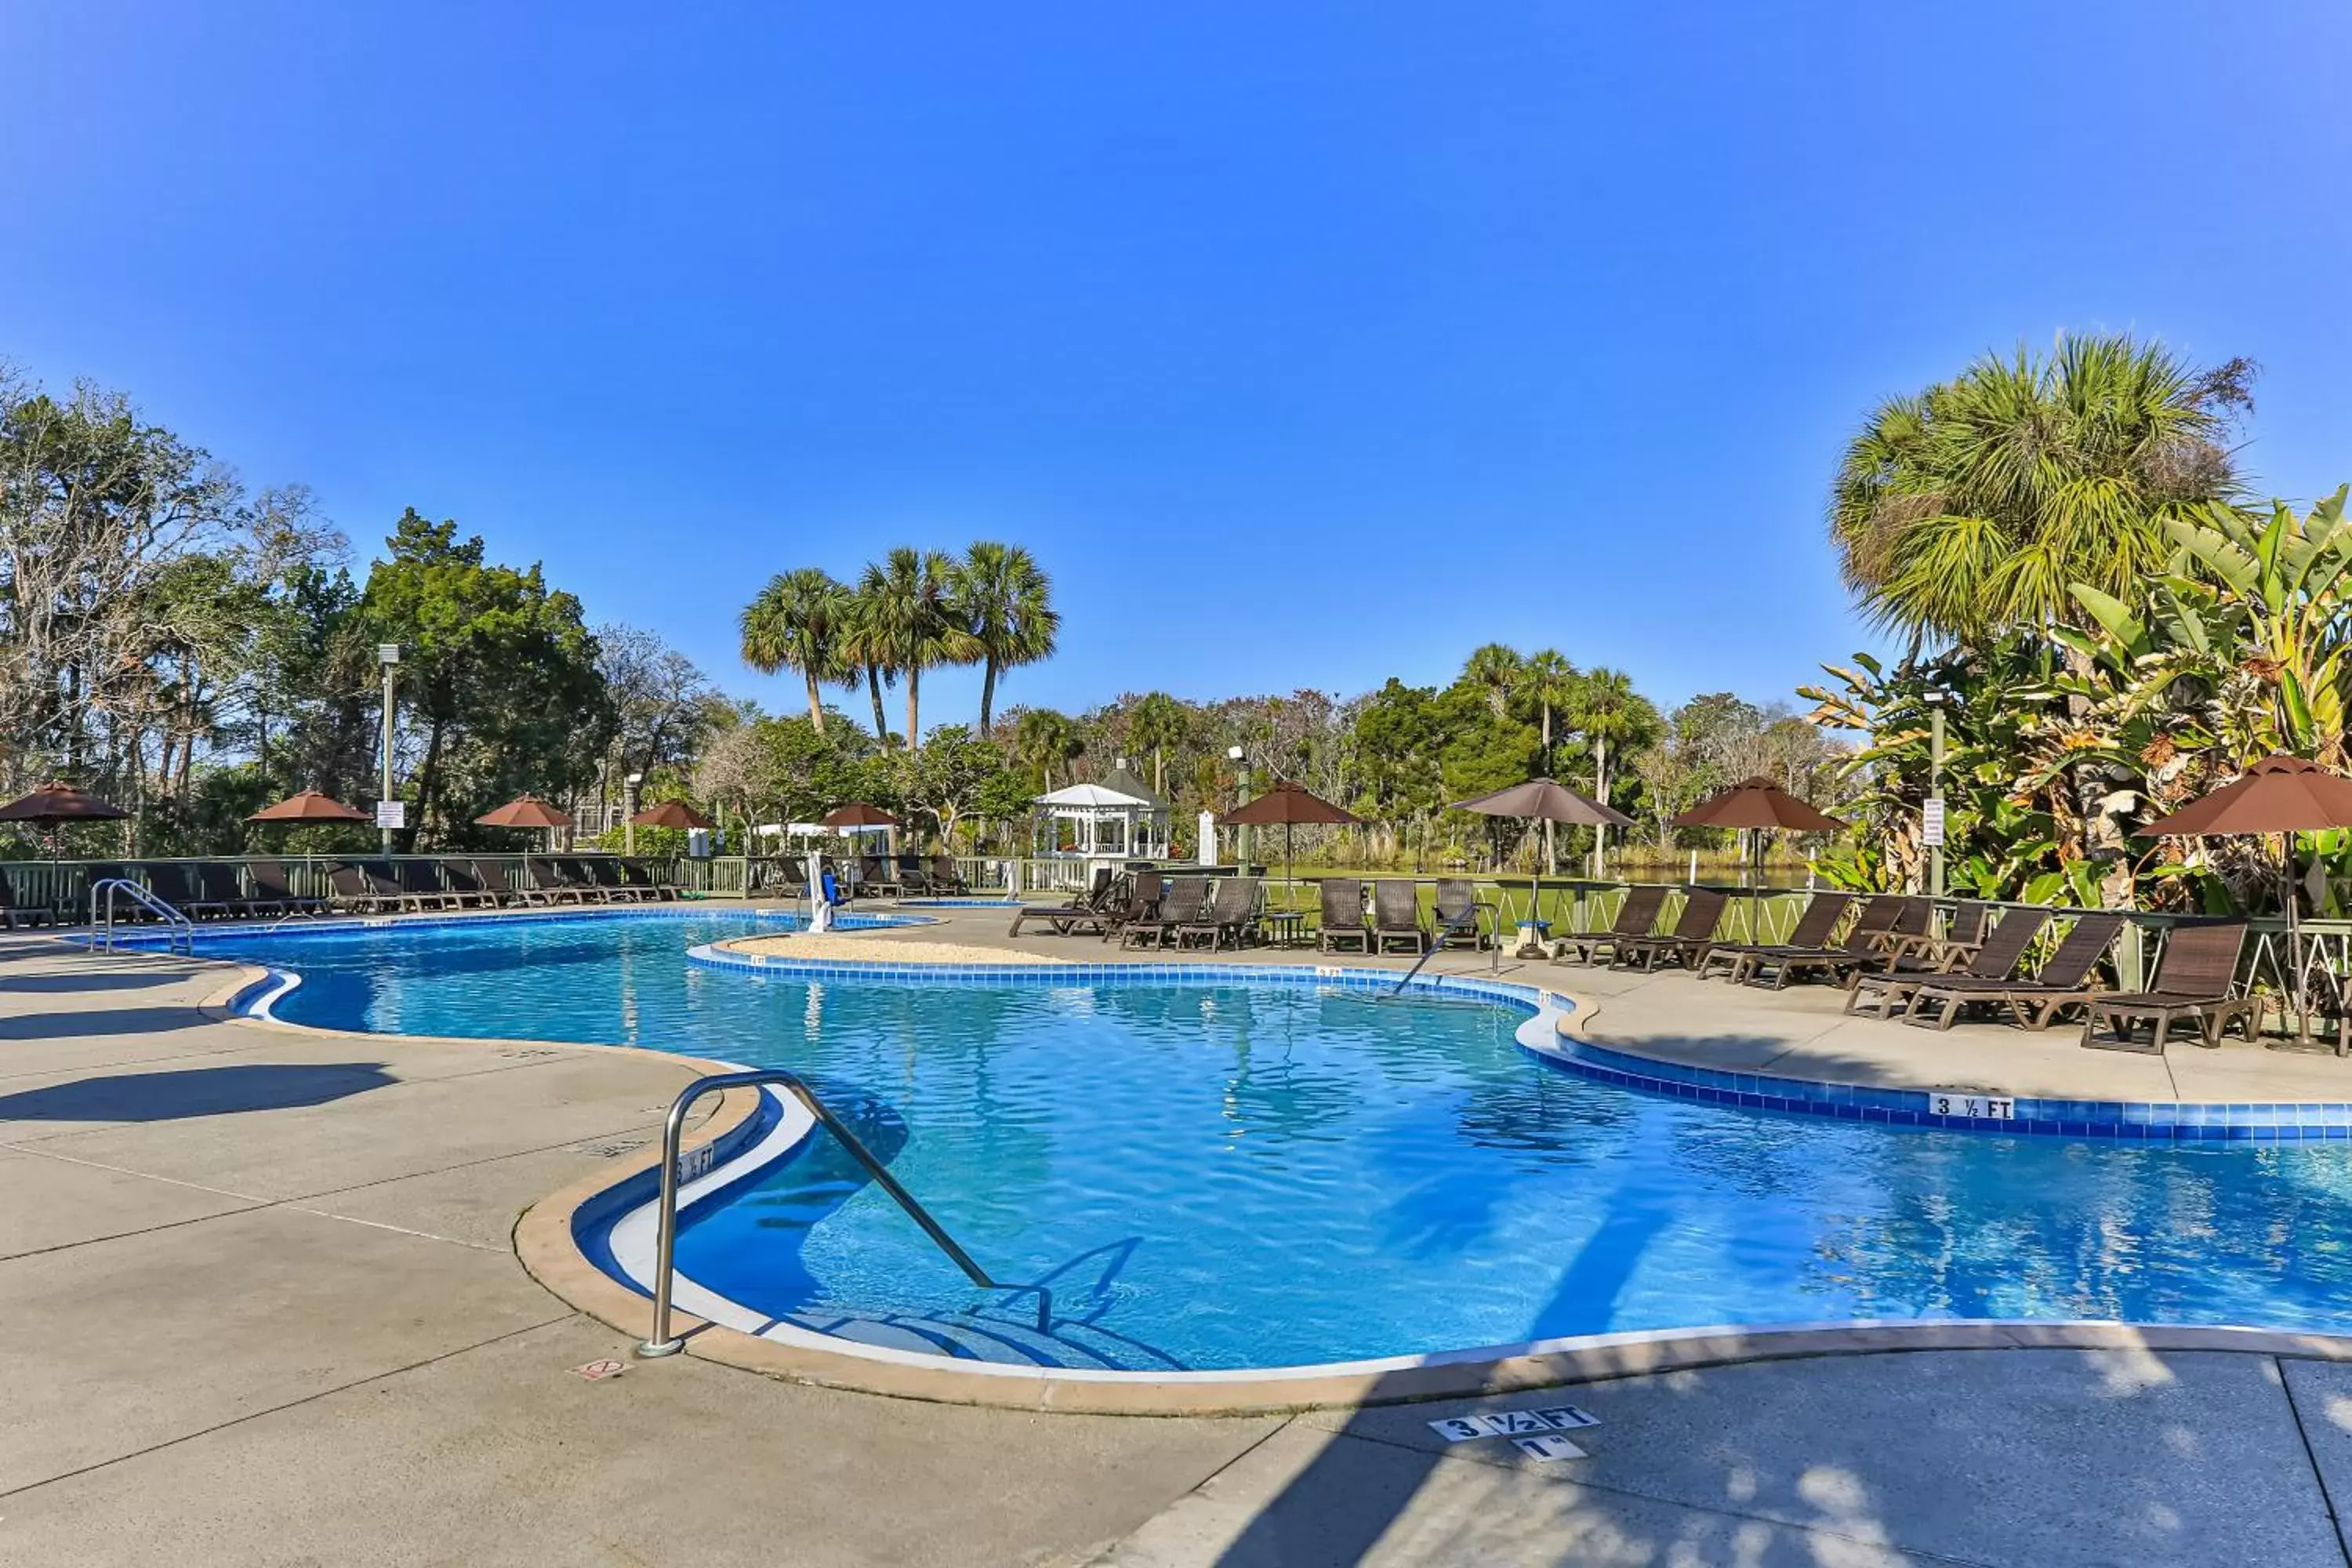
[857,813]
[671,813]
[1761,804]
[2284,795]
[54,804]
[309,807]
[526,810]
[1289,805]
[1545,800]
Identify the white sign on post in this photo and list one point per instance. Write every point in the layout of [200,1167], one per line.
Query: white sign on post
[392,813]
[1932,822]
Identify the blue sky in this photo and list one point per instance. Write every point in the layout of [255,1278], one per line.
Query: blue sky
[1305,345]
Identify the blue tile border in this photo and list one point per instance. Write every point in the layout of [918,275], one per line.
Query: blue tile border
[2138,1120]
[205,935]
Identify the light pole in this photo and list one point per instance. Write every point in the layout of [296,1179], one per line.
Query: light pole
[629,813]
[387,654]
[1935,814]
[1241,795]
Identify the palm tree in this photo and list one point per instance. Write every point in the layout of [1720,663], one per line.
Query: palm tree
[1977,505]
[1160,722]
[865,648]
[1495,671]
[1546,680]
[911,621]
[1007,604]
[797,622]
[1042,739]
[1607,708]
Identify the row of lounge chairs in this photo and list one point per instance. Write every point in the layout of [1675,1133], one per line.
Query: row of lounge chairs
[1889,960]
[1461,919]
[214,890]
[1150,909]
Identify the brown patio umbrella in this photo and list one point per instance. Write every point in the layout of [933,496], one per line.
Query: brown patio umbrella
[1545,800]
[1288,804]
[671,813]
[309,807]
[54,804]
[2285,795]
[526,810]
[857,813]
[1761,804]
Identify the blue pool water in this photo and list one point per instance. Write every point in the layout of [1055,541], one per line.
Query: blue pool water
[1224,1176]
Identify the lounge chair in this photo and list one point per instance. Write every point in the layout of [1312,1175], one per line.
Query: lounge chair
[1464,918]
[1133,900]
[419,882]
[553,884]
[2195,982]
[1343,915]
[1880,913]
[1636,913]
[1995,957]
[913,881]
[467,891]
[15,914]
[604,875]
[946,879]
[1180,906]
[273,884]
[874,878]
[1230,915]
[1813,929]
[219,892]
[357,892]
[639,874]
[1694,929]
[1396,915]
[2064,982]
[1086,909]
[171,882]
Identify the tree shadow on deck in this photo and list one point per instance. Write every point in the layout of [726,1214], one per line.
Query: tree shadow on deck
[189,1092]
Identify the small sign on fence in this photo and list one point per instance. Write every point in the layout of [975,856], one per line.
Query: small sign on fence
[1931,823]
[392,813]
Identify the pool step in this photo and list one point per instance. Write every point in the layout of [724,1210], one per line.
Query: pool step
[962,1337]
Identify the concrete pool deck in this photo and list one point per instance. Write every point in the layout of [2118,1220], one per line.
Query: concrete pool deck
[262,1308]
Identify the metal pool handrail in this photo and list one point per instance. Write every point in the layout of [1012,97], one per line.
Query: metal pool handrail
[666,1234]
[174,923]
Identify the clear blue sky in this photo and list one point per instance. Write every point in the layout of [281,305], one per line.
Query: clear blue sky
[1304,344]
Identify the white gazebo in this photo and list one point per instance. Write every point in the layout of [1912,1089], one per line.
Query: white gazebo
[1118,818]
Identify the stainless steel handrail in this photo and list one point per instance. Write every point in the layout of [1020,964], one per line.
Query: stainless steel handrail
[665,1222]
[175,921]
[1437,944]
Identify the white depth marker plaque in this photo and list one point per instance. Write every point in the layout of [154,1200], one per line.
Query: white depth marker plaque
[1550,1445]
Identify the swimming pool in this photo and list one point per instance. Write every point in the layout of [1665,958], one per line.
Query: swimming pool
[1221,1173]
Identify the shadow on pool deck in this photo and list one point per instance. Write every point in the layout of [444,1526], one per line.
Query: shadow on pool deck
[194,1091]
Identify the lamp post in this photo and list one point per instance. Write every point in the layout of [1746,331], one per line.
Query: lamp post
[387,654]
[1241,792]
[1934,824]
[629,813]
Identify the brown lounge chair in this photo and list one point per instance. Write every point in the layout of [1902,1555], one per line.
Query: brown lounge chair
[1694,929]
[2064,982]
[274,884]
[1139,904]
[1462,918]
[1086,908]
[1881,914]
[1813,929]
[2195,982]
[1995,957]
[1636,913]
[1180,906]
[1343,915]
[1231,914]
[1396,915]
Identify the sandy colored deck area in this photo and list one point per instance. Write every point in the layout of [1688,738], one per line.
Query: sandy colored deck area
[262,1310]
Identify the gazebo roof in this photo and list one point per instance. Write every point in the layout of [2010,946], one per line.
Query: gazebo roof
[1100,797]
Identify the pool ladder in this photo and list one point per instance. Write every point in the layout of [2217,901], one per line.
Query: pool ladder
[179,927]
[663,1341]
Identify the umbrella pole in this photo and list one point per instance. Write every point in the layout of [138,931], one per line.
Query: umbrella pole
[2293,937]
